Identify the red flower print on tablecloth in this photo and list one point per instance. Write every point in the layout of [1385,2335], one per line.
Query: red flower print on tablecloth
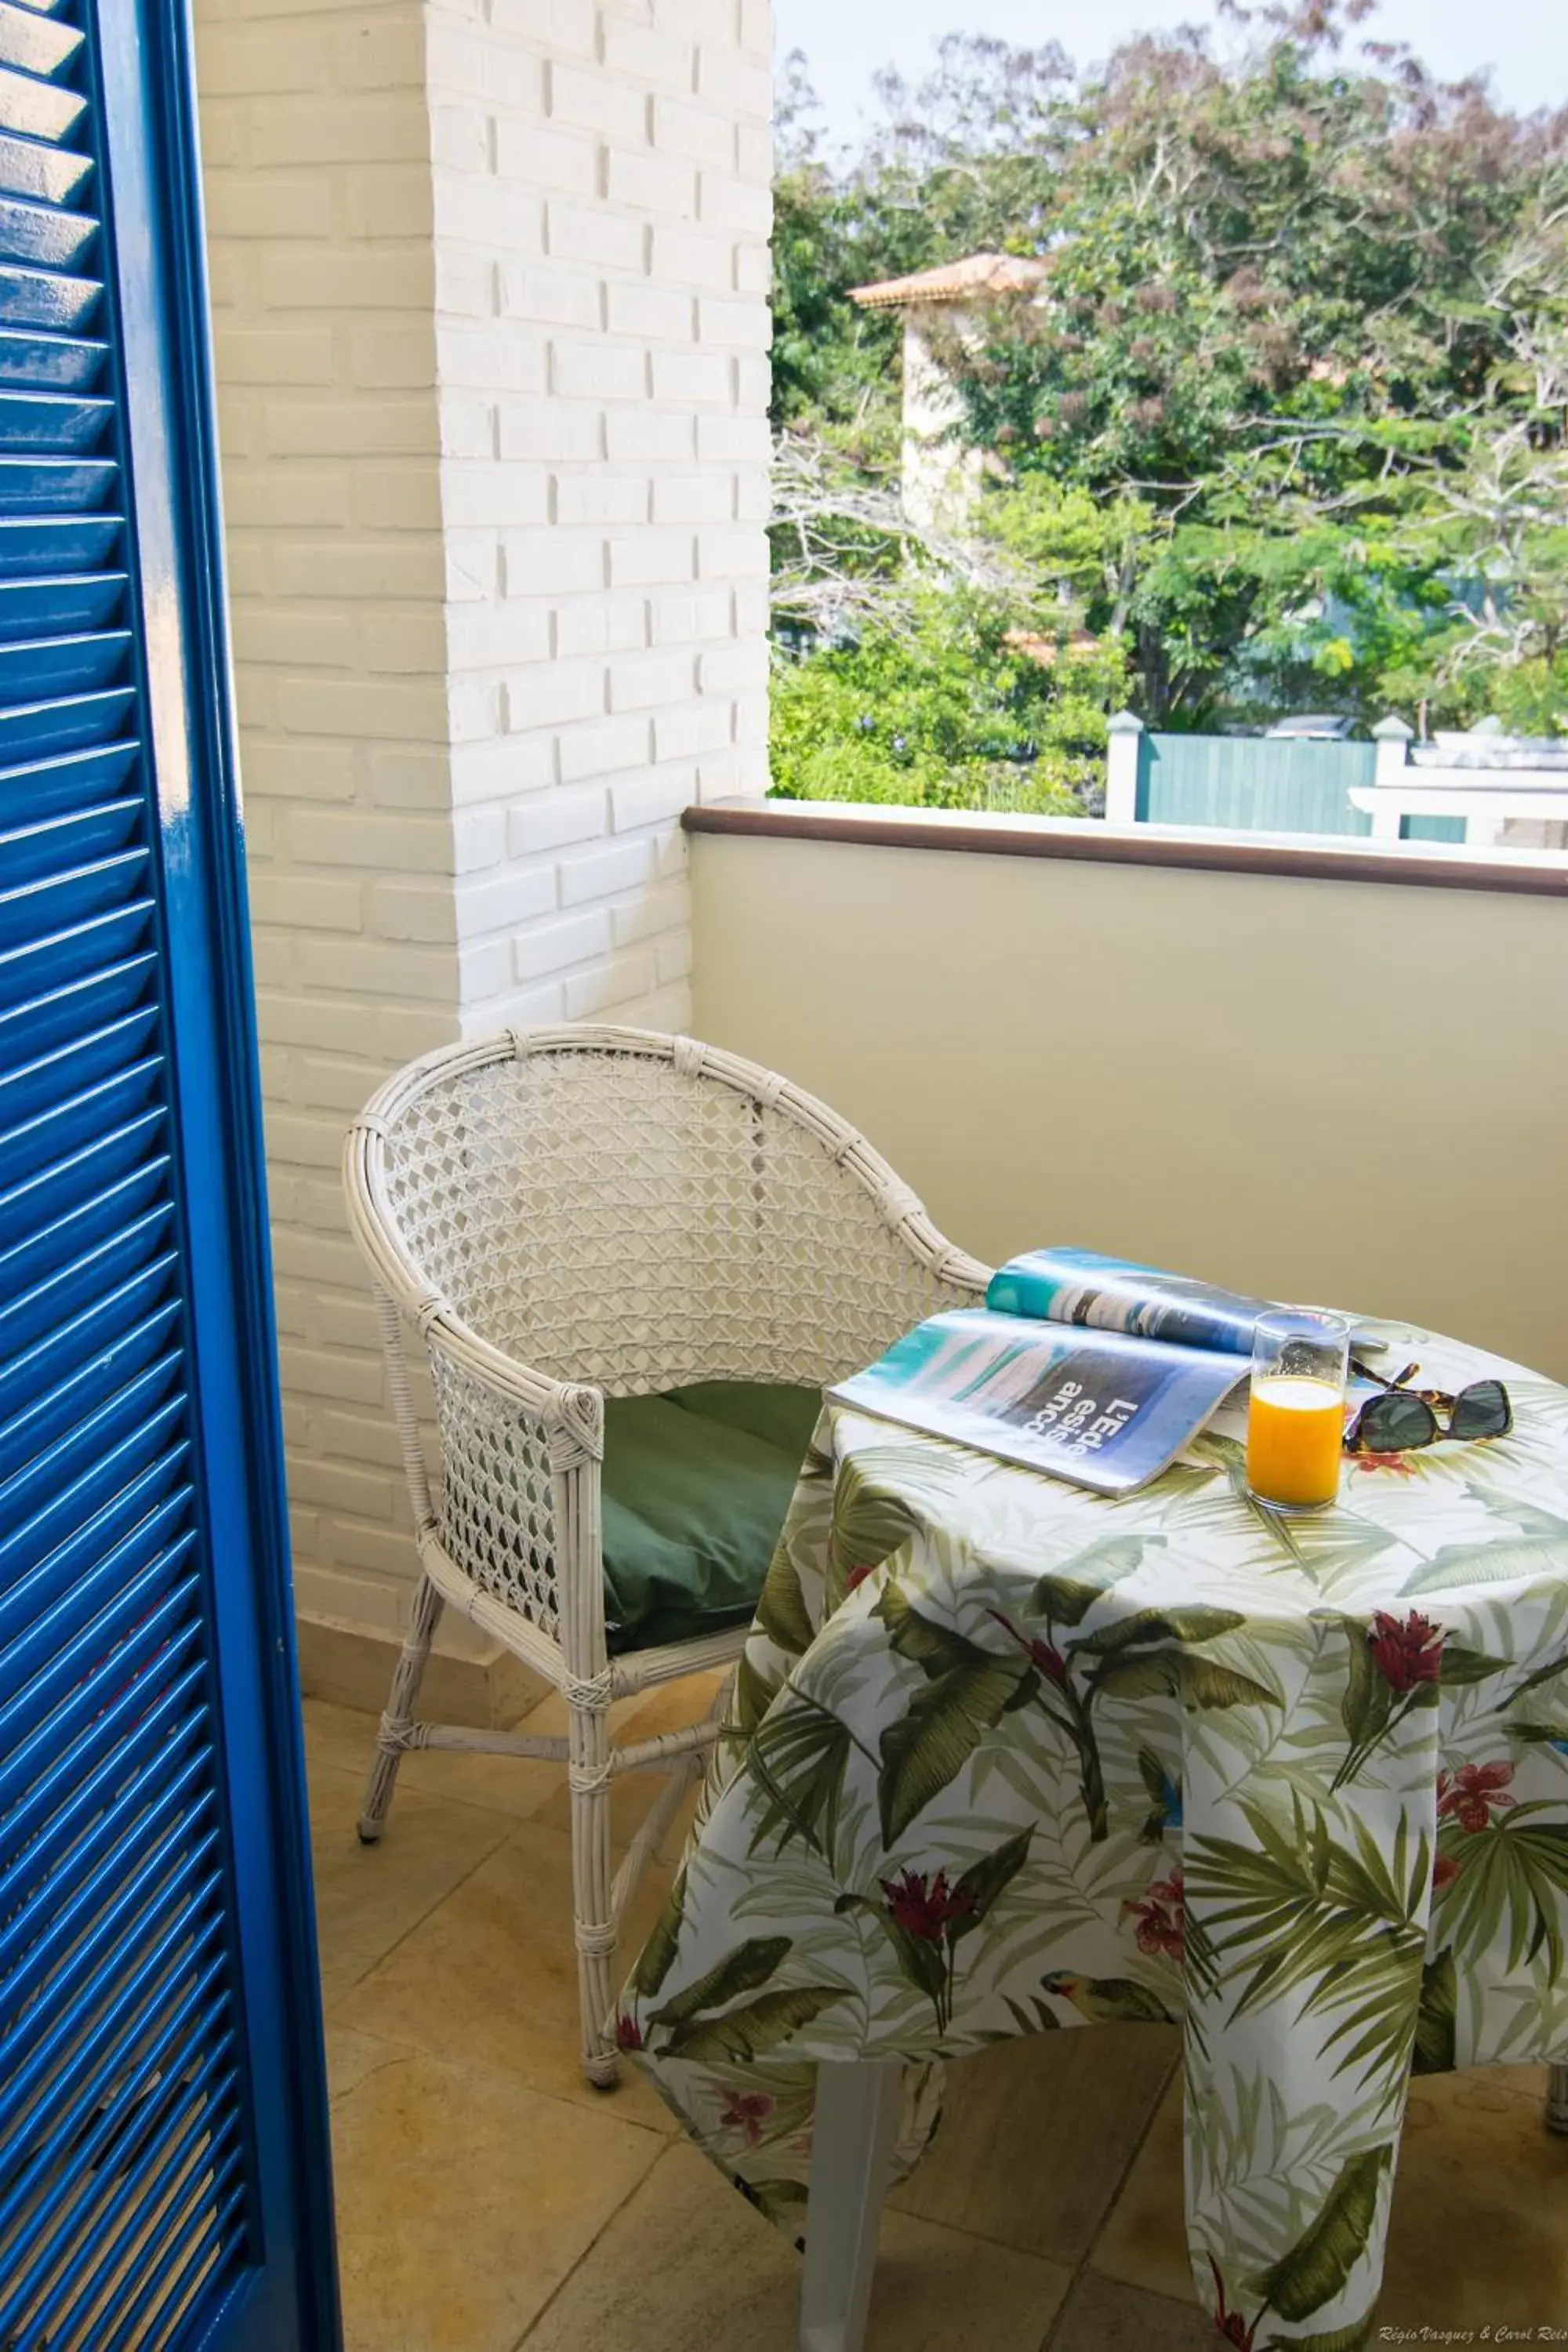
[857,1576]
[1471,1795]
[1161,1918]
[1400,1464]
[628,2032]
[1406,1656]
[1445,1870]
[1229,2326]
[925,1908]
[746,2112]
[1043,1657]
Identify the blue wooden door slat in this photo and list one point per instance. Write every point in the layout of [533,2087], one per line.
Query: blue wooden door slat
[86,835]
[35,544]
[36,232]
[187,2051]
[49,1306]
[132,1930]
[71,1120]
[175,2157]
[78,1061]
[173,1888]
[150,1668]
[76,604]
[43,905]
[49,362]
[132,1582]
[52,420]
[38,788]
[59,1407]
[65,663]
[153,1931]
[38,110]
[51,174]
[166,1732]
[64,724]
[79,2297]
[56,485]
[110,1883]
[68,1346]
[34,972]
[163,2177]
[40,1500]
[57,1190]
[37,44]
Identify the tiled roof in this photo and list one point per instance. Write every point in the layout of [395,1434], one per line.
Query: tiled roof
[953,281]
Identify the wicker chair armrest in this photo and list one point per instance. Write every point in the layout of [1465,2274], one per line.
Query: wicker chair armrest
[570,1413]
[930,1248]
[906,1217]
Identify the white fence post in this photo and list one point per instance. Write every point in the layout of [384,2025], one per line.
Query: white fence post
[1124,758]
[1392,739]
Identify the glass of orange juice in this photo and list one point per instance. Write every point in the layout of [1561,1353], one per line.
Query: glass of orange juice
[1296,1418]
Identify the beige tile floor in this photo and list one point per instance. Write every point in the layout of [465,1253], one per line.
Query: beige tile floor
[489,2201]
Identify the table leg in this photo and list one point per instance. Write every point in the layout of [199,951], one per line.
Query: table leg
[1557,2099]
[856,2129]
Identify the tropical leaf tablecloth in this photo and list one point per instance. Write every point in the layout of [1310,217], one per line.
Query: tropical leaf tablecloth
[1007,1756]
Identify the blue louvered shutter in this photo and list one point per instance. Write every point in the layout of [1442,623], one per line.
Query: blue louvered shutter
[161,2166]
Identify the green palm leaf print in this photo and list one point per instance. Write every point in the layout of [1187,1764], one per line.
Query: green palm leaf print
[796,1763]
[1318,2266]
[761,2024]
[782,1611]
[930,1746]
[1342,1927]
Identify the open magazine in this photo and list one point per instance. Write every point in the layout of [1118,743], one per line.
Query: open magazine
[1092,1368]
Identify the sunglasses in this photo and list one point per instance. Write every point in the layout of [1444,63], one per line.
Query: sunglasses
[1400,1419]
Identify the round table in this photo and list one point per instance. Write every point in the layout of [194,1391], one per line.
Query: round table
[1008,1756]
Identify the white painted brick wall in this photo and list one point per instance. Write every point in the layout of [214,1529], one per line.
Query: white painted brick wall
[603,227]
[316,136]
[489,301]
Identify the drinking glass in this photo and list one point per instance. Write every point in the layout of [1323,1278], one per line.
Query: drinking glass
[1296,1419]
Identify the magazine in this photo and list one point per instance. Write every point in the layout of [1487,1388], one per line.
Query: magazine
[1092,1368]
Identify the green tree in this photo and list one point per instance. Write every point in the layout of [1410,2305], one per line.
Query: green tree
[949,710]
[1278,311]
[1283,429]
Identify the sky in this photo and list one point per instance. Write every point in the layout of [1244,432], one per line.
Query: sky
[1524,42]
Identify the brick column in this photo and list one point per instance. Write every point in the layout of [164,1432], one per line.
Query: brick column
[491,313]
[602,209]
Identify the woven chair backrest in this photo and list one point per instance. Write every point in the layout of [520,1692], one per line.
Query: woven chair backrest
[620,1212]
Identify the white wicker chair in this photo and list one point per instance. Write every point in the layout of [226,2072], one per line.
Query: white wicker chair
[576,1213]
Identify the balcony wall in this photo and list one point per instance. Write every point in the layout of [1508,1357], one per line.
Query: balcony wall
[1315,1089]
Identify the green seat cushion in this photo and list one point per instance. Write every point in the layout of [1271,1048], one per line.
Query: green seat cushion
[696,1485]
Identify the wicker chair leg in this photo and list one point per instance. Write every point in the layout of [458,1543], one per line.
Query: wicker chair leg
[408,1675]
[592,1900]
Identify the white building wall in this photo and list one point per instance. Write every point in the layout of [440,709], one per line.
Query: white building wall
[602,211]
[942,477]
[490,285]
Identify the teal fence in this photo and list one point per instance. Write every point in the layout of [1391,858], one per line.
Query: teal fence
[1249,782]
[1261,784]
